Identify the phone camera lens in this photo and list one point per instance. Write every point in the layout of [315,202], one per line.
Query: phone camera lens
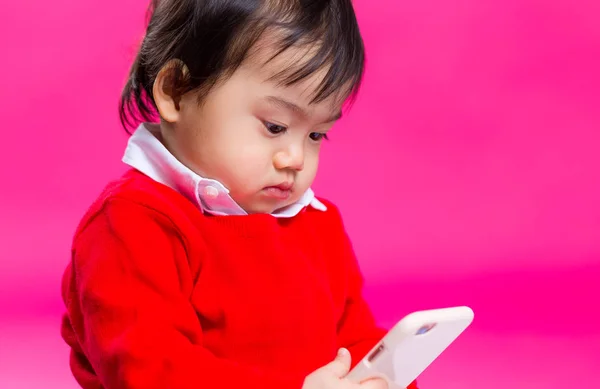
[425,329]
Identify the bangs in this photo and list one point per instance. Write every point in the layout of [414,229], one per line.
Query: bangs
[330,45]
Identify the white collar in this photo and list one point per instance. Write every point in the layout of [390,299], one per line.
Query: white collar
[148,155]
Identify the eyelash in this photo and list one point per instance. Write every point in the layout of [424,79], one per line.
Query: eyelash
[276,129]
[320,135]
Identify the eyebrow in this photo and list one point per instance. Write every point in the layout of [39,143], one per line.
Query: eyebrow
[296,109]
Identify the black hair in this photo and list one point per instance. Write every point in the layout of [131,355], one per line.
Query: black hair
[207,40]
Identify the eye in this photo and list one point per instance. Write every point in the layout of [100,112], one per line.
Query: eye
[274,128]
[318,136]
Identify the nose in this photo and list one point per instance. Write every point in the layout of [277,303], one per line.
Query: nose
[290,158]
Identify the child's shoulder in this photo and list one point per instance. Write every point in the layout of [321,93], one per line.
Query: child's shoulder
[330,217]
[135,194]
[137,188]
[332,210]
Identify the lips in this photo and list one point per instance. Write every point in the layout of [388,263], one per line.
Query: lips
[284,186]
[282,191]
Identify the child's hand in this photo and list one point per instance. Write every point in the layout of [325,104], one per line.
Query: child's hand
[332,376]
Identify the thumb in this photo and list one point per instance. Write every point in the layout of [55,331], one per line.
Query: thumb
[374,383]
[340,366]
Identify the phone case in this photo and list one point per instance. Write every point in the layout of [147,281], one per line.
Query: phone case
[412,345]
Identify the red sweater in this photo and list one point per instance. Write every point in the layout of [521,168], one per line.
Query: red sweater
[160,295]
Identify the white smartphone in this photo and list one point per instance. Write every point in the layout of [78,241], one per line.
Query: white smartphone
[412,345]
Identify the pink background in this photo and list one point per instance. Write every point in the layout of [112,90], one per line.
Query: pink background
[468,173]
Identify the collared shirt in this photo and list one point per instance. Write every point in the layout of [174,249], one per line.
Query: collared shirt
[148,155]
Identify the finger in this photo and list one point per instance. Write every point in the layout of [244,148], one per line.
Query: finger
[340,366]
[374,383]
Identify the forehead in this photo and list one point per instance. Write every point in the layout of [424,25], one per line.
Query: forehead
[268,64]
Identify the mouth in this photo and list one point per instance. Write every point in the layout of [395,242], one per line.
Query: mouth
[282,191]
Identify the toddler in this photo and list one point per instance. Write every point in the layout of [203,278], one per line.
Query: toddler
[211,263]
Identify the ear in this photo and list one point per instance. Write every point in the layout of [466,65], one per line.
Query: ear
[165,95]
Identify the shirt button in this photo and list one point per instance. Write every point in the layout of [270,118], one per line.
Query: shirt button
[211,192]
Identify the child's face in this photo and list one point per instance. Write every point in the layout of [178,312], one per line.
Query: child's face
[259,139]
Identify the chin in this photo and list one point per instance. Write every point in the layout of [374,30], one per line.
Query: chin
[256,209]
[266,208]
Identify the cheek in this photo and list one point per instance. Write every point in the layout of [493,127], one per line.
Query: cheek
[248,164]
[254,156]
[237,141]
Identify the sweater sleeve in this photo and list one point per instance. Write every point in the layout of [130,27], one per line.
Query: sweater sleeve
[128,303]
[357,330]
